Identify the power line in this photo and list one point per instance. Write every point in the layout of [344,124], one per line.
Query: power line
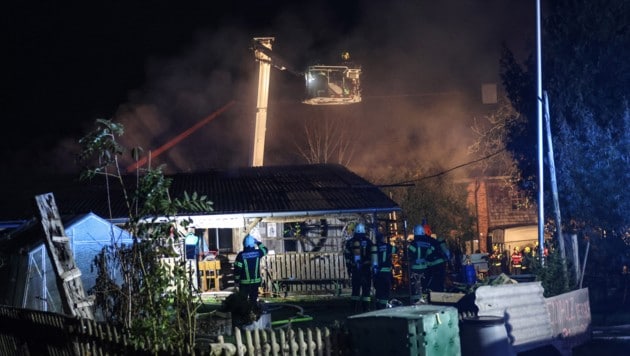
[414,181]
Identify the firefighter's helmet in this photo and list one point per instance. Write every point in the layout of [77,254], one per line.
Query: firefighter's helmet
[249,241]
[345,55]
[360,228]
[495,248]
[418,230]
[528,249]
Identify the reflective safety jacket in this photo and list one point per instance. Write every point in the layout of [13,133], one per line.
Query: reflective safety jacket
[247,264]
[191,242]
[419,250]
[384,252]
[358,252]
[441,252]
[495,259]
[517,259]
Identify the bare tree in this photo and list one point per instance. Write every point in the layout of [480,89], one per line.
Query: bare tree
[491,133]
[328,140]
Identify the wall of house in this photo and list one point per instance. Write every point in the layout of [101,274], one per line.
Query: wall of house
[498,204]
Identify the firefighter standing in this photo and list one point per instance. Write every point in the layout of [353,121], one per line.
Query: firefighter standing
[495,261]
[191,242]
[247,268]
[517,261]
[418,251]
[358,253]
[528,257]
[438,260]
[382,266]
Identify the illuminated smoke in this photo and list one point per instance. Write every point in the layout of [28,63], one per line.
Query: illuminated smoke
[423,66]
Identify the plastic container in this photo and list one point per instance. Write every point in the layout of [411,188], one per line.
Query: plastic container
[426,330]
[485,336]
[470,274]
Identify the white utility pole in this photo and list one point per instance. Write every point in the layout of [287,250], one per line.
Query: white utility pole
[263,98]
[539,105]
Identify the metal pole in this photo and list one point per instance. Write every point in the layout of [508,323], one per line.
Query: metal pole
[539,105]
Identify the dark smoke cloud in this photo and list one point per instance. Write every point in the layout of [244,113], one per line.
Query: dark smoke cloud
[423,65]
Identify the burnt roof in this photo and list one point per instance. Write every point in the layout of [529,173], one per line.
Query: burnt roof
[321,188]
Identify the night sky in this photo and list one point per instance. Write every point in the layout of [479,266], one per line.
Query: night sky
[159,67]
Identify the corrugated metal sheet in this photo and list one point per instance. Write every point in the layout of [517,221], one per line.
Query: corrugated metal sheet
[523,307]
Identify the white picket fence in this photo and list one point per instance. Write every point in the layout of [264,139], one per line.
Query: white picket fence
[289,341]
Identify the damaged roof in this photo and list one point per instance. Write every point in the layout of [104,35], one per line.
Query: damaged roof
[264,191]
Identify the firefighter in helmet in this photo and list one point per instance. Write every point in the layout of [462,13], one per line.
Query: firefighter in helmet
[495,261]
[358,253]
[418,251]
[517,261]
[382,266]
[438,260]
[247,268]
[528,256]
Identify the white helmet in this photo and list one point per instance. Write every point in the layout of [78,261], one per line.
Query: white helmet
[418,230]
[360,228]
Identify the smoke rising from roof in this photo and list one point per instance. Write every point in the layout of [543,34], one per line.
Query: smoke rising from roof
[423,65]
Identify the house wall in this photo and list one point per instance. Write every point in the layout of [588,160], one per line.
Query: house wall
[497,205]
[324,235]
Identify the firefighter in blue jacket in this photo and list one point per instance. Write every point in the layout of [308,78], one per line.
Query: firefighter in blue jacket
[382,265]
[358,253]
[247,268]
[438,261]
[418,253]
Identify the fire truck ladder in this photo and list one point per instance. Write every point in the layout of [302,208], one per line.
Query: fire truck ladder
[73,297]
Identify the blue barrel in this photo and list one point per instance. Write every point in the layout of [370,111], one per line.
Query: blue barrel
[470,274]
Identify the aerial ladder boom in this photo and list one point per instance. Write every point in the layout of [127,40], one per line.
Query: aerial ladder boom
[264,63]
[326,85]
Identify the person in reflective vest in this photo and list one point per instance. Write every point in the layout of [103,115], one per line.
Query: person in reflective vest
[438,261]
[247,268]
[495,261]
[418,251]
[382,266]
[358,253]
[191,241]
[517,261]
[528,257]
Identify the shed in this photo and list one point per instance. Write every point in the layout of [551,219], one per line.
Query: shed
[27,275]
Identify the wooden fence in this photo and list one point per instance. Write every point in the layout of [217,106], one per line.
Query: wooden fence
[32,332]
[304,272]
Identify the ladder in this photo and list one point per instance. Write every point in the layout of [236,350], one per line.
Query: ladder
[73,297]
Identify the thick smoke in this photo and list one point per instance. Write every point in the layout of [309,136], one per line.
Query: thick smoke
[423,66]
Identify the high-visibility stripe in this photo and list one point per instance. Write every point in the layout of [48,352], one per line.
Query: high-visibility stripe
[246,270]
